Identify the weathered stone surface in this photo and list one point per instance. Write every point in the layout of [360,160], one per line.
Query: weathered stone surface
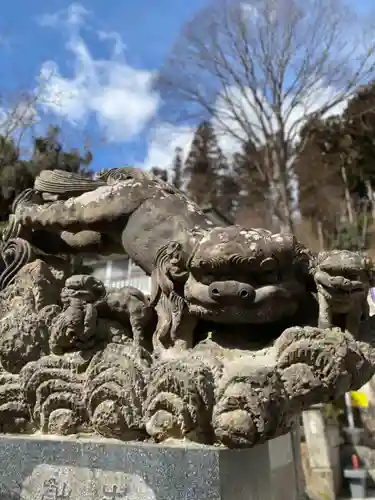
[244,329]
[34,287]
[115,390]
[343,280]
[180,400]
[109,470]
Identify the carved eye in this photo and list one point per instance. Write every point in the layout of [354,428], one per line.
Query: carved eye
[268,265]
[173,247]
[269,270]
[353,275]
[207,279]
[304,259]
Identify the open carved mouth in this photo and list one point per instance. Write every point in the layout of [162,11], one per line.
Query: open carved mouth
[199,308]
[336,292]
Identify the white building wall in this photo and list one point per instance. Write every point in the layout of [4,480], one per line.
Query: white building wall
[120,272]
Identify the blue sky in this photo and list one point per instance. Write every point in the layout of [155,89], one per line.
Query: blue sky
[99,59]
[108,52]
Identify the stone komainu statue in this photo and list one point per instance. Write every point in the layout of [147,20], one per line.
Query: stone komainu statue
[243,330]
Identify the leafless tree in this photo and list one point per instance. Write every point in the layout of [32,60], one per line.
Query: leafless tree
[260,69]
[21,110]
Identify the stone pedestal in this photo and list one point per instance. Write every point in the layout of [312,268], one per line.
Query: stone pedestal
[46,468]
[323,454]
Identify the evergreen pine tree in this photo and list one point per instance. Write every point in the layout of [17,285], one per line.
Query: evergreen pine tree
[204,165]
[18,174]
[162,173]
[253,187]
[49,154]
[177,169]
[228,194]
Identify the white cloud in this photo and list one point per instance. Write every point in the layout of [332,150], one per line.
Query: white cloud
[249,11]
[117,95]
[122,100]
[294,114]
[73,16]
[165,138]
[118,44]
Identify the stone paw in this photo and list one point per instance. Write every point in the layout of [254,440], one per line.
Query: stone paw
[180,397]
[114,392]
[251,406]
[294,334]
[331,360]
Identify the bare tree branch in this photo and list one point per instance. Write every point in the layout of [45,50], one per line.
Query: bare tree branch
[262,69]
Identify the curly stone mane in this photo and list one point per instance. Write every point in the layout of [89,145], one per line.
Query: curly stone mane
[167,281]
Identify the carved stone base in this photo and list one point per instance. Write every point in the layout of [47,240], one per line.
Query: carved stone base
[101,469]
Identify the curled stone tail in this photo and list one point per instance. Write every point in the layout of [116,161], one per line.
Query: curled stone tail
[15,254]
[60,182]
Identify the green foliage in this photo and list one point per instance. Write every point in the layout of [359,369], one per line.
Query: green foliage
[161,173]
[333,173]
[353,237]
[18,174]
[177,169]
[336,172]
[253,189]
[204,165]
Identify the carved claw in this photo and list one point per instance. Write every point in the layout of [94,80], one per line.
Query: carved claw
[302,386]
[251,407]
[361,364]
[54,395]
[330,361]
[179,400]
[114,392]
[293,334]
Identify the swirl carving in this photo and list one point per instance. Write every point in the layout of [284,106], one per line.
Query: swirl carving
[115,390]
[15,254]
